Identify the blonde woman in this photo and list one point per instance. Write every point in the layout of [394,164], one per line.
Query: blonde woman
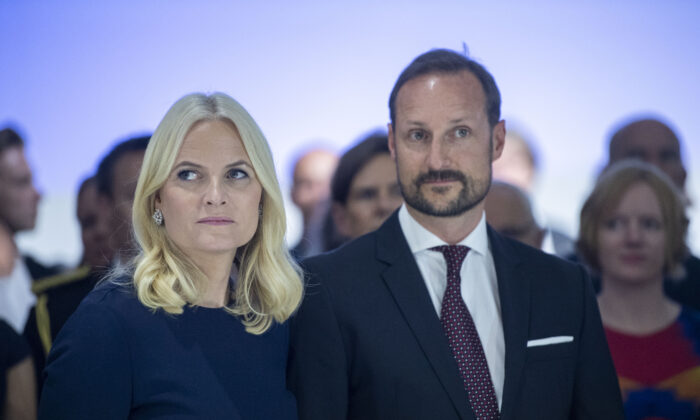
[197,329]
[632,233]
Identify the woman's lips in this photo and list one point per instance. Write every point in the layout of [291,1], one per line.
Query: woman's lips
[215,221]
[633,258]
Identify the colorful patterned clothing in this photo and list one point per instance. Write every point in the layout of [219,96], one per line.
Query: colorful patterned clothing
[659,373]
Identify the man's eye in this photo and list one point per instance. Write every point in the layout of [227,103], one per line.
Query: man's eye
[461,132]
[187,175]
[236,174]
[417,135]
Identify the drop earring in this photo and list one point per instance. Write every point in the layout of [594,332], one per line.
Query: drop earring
[158,217]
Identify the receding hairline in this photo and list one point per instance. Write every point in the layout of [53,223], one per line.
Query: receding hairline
[622,136]
[445,73]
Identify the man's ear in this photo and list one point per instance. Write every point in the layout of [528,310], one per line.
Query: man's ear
[340,219]
[392,140]
[499,139]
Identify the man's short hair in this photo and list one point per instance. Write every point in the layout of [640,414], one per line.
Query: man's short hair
[105,171]
[9,138]
[448,61]
[353,161]
[613,183]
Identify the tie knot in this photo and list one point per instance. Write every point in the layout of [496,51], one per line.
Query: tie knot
[454,255]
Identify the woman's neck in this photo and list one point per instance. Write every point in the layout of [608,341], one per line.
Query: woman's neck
[217,269]
[636,308]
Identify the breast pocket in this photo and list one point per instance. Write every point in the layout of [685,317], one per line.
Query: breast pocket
[550,352]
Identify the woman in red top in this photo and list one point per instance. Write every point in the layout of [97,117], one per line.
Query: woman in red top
[632,232]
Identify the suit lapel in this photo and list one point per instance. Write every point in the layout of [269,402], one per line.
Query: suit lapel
[406,284]
[514,291]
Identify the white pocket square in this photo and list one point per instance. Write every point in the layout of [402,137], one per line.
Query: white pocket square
[550,340]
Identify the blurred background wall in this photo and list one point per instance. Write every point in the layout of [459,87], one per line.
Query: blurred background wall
[77,76]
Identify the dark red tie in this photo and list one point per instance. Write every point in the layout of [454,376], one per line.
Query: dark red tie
[463,338]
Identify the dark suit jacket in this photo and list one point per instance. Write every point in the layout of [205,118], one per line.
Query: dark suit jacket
[367,342]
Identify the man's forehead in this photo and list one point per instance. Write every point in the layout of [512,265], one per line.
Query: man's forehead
[130,161]
[645,137]
[14,163]
[436,81]
[459,90]
[317,163]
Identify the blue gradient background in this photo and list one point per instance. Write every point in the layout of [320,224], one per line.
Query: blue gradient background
[76,76]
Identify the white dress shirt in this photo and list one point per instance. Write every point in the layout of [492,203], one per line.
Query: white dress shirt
[479,286]
[16,297]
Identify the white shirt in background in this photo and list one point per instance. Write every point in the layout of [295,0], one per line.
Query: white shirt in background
[16,297]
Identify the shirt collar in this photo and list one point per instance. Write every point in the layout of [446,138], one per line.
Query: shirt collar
[420,239]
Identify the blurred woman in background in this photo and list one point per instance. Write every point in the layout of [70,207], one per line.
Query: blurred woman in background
[632,233]
[196,326]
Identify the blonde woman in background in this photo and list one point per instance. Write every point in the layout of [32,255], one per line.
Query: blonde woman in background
[632,233]
[197,328]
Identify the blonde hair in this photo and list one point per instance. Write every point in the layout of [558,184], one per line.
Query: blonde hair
[605,197]
[269,285]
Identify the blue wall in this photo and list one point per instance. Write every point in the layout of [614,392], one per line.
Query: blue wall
[76,76]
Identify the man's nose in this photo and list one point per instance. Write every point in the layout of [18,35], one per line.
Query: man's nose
[437,155]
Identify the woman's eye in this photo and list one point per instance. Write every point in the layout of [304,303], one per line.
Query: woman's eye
[236,174]
[612,223]
[461,132]
[187,175]
[651,224]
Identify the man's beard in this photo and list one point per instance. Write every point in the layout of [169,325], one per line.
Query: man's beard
[471,193]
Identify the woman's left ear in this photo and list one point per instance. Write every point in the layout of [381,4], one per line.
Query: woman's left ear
[157,198]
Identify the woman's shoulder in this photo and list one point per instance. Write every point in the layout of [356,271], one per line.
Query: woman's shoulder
[110,292]
[116,297]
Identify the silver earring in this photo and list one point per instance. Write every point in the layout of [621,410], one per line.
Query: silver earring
[260,210]
[158,217]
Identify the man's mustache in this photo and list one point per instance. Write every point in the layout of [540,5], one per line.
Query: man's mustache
[442,175]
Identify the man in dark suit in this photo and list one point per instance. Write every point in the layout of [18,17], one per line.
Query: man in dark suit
[435,315]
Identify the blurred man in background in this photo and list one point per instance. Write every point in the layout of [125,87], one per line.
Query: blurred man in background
[116,176]
[310,192]
[19,200]
[105,219]
[518,163]
[508,210]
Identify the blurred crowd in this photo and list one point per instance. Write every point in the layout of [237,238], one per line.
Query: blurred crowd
[632,239]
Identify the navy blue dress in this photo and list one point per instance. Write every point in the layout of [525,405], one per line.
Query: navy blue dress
[116,359]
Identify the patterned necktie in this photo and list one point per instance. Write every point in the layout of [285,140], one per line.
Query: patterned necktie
[463,338]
